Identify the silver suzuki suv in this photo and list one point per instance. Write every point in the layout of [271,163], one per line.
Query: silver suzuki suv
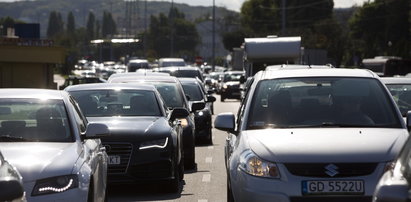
[311,134]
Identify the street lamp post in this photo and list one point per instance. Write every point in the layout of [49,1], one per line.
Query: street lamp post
[213,40]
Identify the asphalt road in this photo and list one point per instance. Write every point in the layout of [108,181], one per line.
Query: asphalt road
[207,183]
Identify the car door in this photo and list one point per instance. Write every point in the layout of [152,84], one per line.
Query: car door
[95,155]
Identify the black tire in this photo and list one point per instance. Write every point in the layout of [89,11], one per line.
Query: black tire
[222,98]
[181,170]
[190,163]
[90,196]
[210,137]
[173,186]
[230,197]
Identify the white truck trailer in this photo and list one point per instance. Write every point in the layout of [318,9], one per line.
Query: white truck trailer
[261,52]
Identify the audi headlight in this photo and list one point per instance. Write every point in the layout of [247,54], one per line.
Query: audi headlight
[253,165]
[160,143]
[55,185]
[183,122]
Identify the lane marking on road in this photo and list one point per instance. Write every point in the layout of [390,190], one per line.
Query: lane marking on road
[202,200]
[206,178]
[210,147]
[209,160]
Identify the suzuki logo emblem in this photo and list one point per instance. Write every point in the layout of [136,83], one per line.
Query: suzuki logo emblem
[331,170]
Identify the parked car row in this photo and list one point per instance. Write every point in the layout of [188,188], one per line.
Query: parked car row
[306,133]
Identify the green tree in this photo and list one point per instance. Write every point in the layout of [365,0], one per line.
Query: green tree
[6,22]
[71,25]
[260,17]
[382,28]
[109,27]
[305,13]
[91,20]
[56,25]
[163,29]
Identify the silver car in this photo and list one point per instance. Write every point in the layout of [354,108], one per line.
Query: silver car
[311,134]
[57,152]
[394,185]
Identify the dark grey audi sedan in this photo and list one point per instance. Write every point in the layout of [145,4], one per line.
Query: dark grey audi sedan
[146,142]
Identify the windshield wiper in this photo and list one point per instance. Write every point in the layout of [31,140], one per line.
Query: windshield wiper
[8,138]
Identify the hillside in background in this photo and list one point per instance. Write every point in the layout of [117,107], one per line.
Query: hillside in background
[38,11]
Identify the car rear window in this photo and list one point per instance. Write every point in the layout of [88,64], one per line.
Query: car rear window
[110,102]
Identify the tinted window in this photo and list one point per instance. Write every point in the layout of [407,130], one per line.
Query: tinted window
[171,94]
[232,77]
[187,74]
[103,103]
[34,120]
[193,91]
[305,102]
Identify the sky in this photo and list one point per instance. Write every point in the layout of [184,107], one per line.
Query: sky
[235,5]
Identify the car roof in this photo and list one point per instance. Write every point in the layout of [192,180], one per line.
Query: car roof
[396,80]
[137,74]
[189,80]
[314,72]
[234,72]
[108,86]
[168,79]
[31,93]
[182,68]
[171,59]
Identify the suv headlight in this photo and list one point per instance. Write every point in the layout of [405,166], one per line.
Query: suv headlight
[253,165]
[160,143]
[55,184]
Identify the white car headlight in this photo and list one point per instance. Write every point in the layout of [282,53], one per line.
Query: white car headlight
[55,184]
[253,165]
[160,143]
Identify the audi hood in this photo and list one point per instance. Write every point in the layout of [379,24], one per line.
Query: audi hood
[341,145]
[139,127]
[41,160]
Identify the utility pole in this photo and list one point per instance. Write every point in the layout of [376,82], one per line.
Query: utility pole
[145,28]
[172,29]
[283,16]
[213,36]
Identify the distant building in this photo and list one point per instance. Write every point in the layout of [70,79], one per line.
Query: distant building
[28,62]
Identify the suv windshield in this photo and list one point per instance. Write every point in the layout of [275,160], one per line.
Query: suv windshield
[106,103]
[232,77]
[34,120]
[321,102]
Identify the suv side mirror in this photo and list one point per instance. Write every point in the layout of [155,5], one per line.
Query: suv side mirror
[408,120]
[178,113]
[211,98]
[96,130]
[195,106]
[225,122]
[243,79]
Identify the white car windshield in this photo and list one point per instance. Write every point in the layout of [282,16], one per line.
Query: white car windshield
[321,102]
[34,120]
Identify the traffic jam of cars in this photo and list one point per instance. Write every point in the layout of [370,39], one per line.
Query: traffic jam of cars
[314,133]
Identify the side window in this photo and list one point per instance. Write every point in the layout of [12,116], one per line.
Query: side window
[81,121]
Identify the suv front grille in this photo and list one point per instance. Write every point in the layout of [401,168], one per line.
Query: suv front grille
[123,150]
[320,170]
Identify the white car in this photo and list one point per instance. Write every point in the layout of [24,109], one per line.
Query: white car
[57,152]
[311,134]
